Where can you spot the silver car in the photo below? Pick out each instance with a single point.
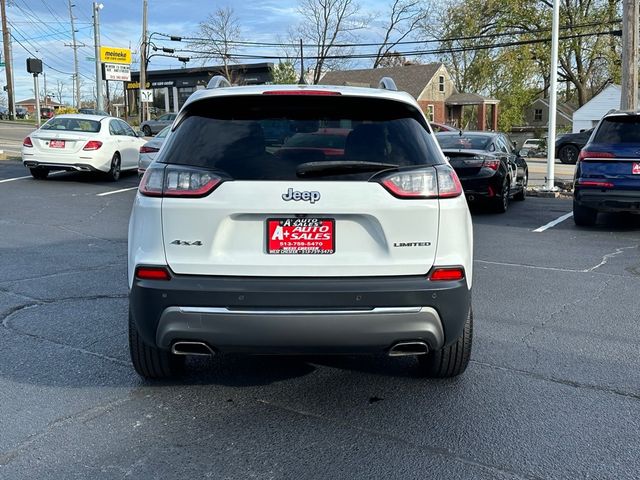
(150, 149)
(151, 127)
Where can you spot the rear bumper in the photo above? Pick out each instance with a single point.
(76, 167)
(484, 187)
(609, 200)
(299, 315)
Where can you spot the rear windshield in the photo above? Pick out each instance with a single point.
(465, 142)
(622, 129)
(72, 124)
(276, 137)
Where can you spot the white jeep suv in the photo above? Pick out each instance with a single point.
(300, 220)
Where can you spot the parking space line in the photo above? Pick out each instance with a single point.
(14, 179)
(104, 194)
(554, 223)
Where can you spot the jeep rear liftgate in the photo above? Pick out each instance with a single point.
(246, 228)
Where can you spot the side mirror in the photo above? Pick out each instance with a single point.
(139, 134)
(515, 145)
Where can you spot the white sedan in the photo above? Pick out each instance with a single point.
(85, 143)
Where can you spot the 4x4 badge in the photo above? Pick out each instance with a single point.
(184, 243)
(296, 196)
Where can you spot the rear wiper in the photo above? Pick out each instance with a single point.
(318, 169)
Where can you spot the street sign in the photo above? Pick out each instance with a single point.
(115, 55)
(117, 72)
(146, 96)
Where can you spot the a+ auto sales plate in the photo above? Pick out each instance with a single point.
(300, 236)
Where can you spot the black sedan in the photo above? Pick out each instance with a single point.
(488, 166)
(568, 146)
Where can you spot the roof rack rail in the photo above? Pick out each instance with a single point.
(218, 82)
(387, 83)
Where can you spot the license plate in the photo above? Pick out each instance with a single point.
(635, 169)
(56, 144)
(299, 236)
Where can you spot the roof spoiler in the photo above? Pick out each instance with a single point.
(387, 83)
(218, 82)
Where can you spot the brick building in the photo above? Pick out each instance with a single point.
(432, 86)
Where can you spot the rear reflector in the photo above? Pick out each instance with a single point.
(145, 149)
(92, 145)
(171, 181)
(27, 142)
(302, 92)
(584, 154)
(447, 274)
(594, 183)
(153, 273)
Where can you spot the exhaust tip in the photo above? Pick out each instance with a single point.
(192, 348)
(403, 349)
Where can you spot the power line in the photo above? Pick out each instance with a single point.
(413, 42)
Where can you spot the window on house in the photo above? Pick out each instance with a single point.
(537, 115)
(441, 83)
(431, 115)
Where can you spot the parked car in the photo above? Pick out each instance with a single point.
(534, 147)
(233, 250)
(607, 176)
(84, 143)
(93, 111)
(151, 127)
(4, 113)
(488, 166)
(149, 150)
(22, 112)
(441, 127)
(568, 146)
(47, 112)
(325, 142)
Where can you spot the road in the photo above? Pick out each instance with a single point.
(552, 391)
(11, 136)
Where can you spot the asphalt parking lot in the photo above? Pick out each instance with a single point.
(552, 391)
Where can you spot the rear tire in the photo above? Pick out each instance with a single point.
(568, 154)
(584, 216)
(39, 173)
(501, 203)
(452, 360)
(151, 362)
(113, 175)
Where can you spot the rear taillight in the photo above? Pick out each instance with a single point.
(92, 145)
(171, 181)
(446, 274)
(145, 149)
(594, 183)
(590, 154)
(153, 273)
(493, 164)
(27, 142)
(440, 181)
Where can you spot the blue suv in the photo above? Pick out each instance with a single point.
(607, 177)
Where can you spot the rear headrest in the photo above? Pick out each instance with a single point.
(366, 143)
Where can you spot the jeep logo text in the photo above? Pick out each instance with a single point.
(312, 197)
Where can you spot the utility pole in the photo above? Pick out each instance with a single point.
(143, 61)
(6, 40)
(630, 12)
(553, 96)
(36, 87)
(75, 47)
(96, 37)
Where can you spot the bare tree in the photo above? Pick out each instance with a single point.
(60, 88)
(405, 17)
(217, 36)
(326, 24)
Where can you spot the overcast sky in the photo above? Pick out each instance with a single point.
(43, 28)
